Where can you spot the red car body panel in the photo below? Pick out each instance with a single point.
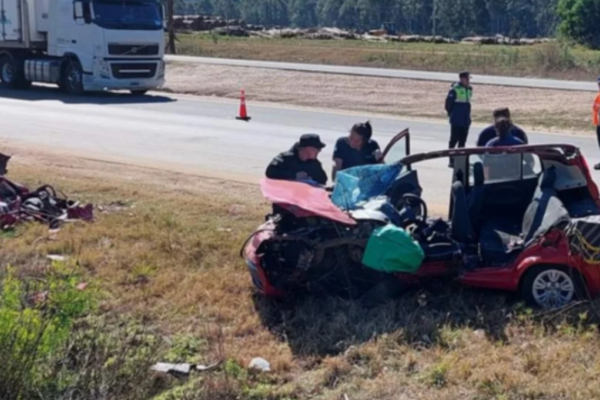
(303, 200)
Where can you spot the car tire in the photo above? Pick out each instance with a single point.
(12, 74)
(72, 78)
(552, 286)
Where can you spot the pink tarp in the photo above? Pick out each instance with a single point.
(303, 200)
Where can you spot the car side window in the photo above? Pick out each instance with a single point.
(532, 166)
(506, 167)
(397, 152)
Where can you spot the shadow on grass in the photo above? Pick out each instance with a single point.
(321, 326)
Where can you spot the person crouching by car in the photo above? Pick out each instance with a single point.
(489, 133)
(356, 149)
(300, 163)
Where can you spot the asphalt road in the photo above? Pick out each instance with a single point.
(396, 73)
(202, 136)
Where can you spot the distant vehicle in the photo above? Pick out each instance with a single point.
(524, 219)
(82, 45)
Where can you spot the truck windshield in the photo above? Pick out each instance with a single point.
(128, 14)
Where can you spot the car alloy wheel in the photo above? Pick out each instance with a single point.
(553, 288)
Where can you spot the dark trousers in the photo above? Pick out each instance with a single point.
(598, 134)
(458, 136)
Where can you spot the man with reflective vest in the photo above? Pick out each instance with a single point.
(596, 118)
(458, 108)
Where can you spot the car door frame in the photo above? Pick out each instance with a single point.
(404, 134)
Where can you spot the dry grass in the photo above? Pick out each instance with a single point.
(166, 252)
(548, 60)
(546, 110)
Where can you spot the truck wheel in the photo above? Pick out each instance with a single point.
(140, 92)
(552, 286)
(12, 74)
(72, 79)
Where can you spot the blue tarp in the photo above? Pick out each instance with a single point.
(358, 184)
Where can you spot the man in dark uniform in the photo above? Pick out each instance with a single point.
(490, 132)
(300, 163)
(458, 108)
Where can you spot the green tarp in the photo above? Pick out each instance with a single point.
(391, 249)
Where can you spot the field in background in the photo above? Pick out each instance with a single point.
(545, 60)
(163, 261)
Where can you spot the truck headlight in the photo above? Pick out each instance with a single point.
(104, 68)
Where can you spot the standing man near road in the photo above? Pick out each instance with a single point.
(596, 118)
(458, 108)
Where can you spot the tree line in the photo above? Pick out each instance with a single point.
(450, 18)
(575, 20)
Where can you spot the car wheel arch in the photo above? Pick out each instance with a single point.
(579, 279)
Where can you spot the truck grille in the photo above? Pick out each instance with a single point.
(115, 49)
(133, 70)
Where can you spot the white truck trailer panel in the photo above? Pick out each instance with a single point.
(10, 20)
(13, 12)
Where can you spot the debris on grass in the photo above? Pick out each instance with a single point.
(260, 364)
(19, 204)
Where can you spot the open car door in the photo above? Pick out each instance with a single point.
(397, 148)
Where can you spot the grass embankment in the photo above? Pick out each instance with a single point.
(165, 283)
(545, 60)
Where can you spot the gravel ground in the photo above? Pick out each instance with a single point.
(538, 109)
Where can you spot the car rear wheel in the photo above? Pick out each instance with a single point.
(552, 287)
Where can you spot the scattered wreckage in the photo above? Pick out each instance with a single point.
(19, 204)
(523, 219)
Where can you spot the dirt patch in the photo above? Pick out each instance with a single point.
(535, 109)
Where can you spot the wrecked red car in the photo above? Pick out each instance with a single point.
(523, 219)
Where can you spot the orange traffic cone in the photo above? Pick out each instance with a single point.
(243, 112)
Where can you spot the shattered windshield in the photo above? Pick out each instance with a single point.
(128, 14)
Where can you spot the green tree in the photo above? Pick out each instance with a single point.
(579, 21)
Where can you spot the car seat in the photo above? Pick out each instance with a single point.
(461, 223)
(545, 209)
(476, 196)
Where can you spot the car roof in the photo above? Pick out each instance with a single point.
(559, 152)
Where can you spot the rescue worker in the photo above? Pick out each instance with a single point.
(356, 149)
(458, 108)
(300, 163)
(489, 133)
(596, 118)
(502, 166)
(504, 136)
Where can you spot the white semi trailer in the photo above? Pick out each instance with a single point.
(82, 45)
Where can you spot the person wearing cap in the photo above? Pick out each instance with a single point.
(490, 133)
(300, 163)
(458, 108)
(596, 118)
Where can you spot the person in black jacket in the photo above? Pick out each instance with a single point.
(300, 163)
(489, 133)
(356, 149)
(458, 108)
